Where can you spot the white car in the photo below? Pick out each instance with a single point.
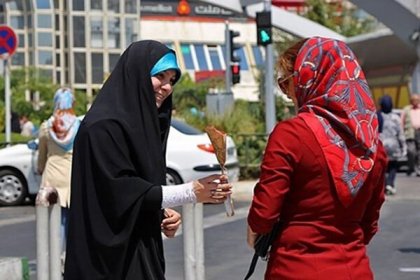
(189, 156)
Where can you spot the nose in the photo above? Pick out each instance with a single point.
(167, 87)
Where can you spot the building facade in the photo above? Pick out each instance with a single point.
(75, 42)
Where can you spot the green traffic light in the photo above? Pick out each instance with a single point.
(265, 37)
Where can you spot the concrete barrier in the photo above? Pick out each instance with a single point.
(14, 268)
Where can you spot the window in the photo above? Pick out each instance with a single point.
(45, 57)
(97, 68)
(186, 54)
(114, 33)
(214, 57)
(130, 7)
(18, 59)
(79, 31)
(96, 5)
(258, 57)
(16, 5)
(17, 22)
(79, 68)
(114, 5)
(21, 40)
(201, 57)
(130, 31)
(96, 32)
(113, 59)
(44, 39)
(43, 4)
(44, 21)
(78, 5)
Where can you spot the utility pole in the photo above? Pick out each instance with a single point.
(227, 56)
(270, 104)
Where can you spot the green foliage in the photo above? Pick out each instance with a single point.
(344, 22)
(30, 81)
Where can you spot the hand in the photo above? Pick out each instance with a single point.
(208, 190)
(251, 237)
(170, 223)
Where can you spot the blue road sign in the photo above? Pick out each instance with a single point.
(8, 41)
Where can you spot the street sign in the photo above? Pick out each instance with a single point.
(8, 42)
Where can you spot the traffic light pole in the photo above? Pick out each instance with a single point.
(227, 56)
(270, 104)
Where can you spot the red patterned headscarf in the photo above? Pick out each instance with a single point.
(335, 102)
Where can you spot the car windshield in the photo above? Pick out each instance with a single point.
(185, 128)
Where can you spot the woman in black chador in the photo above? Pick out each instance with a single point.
(119, 201)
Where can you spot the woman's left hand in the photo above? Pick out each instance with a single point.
(171, 222)
(251, 237)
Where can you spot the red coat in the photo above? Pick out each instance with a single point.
(320, 239)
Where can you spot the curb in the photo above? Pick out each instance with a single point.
(14, 268)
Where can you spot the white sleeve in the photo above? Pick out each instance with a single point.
(177, 195)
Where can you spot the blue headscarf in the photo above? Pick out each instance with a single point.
(63, 99)
(386, 104)
(63, 126)
(167, 62)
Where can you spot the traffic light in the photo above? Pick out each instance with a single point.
(264, 34)
(233, 47)
(235, 69)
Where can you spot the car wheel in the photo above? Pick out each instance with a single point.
(172, 178)
(12, 188)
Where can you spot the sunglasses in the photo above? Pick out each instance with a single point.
(281, 81)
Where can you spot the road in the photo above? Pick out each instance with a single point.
(394, 251)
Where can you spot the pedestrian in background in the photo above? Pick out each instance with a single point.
(392, 137)
(322, 174)
(119, 198)
(411, 123)
(55, 152)
(26, 126)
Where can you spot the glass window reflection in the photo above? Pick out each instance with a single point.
(113, 59)
(18, 59)
(214, 57)
(43, 4)
(130, 31)
(114, 5)
(201, 57)
(17, 22)
(79, 68)
(130, 7)
(45, 57)
(79, 31)
(78, 5)
(96, 5)
(97, 68)
(258, 57)
(114, 33)
(96, 32)
(45, 39)
(187, 55)
(44, 21)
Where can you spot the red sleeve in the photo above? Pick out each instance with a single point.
(279, 161)
(370, 218)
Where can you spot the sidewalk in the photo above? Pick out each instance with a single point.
(243, 190)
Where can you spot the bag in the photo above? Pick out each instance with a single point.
(262, 247)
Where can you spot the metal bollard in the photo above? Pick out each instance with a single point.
(193, 233)
(48, 212)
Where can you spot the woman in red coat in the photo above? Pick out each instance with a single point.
(323, 171)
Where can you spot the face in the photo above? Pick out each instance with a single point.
(415, 100)
(163, 85)
(287, 86)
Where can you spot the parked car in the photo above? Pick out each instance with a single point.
(190, 156)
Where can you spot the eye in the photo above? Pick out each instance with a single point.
(172, 81)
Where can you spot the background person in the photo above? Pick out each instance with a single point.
(411, 122)
(119, 173)
(392, 137)
(322, 173)
(26, 126)
(55, 151)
